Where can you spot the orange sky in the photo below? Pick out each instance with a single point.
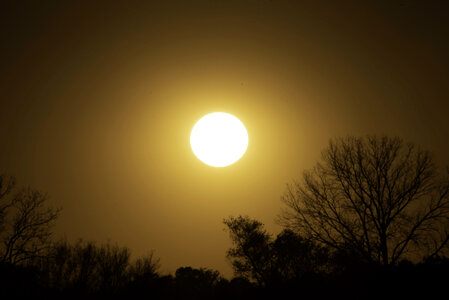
(98, 100)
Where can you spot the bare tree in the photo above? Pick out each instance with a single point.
(86, 267)
(6, 185)
(145, 267)
(113, 262)
(381, 198)
(26, 222)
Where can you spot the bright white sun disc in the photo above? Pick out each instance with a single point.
(219, 139)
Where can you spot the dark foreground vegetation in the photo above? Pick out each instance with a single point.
(84, 270)
(370, 221)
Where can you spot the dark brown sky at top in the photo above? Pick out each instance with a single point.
(98, 100)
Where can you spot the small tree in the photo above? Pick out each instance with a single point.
(26, 223)
(145, 267)
(378, 197)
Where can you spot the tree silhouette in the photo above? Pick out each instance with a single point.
(255, 255)
(74, 267)
(297, 258)
(380, 198)
(85, 268)
(113, 264)
(144, 278)
(25, 222)
(251, 255)
(192, 283)
(6, 186)
(145, 267)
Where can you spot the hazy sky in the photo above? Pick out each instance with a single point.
(98, 100)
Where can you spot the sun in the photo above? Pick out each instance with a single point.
(219, 139)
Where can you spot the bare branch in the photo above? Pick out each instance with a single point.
(380, 196)
(29, 231)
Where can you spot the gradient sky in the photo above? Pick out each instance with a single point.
(98, 100)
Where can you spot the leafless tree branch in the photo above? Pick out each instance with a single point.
(378, 195)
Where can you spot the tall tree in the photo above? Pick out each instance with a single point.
(25, 223)
(379, 197)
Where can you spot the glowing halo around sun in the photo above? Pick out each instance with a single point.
(219, 139)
